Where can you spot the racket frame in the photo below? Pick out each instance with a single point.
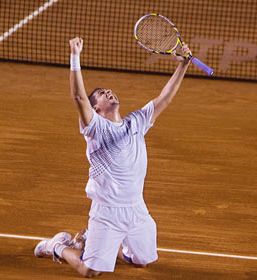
(167, 52)
(180, 42)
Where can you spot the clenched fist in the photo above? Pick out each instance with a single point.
(76, 45)
(182, 54)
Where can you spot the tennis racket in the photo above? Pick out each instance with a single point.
(157, 34)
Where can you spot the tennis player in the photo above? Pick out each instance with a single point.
(119, 224)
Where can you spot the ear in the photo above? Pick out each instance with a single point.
(96, 108)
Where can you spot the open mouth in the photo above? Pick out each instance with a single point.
(112, 97)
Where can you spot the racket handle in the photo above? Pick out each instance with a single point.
(202, 66)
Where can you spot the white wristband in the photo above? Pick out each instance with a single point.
(75, 62)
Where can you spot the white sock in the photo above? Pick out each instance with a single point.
(58, 249)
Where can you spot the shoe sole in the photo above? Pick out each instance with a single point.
(37, 249)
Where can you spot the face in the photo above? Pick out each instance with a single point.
(105, 100)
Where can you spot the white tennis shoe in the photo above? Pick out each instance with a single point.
(45, 248)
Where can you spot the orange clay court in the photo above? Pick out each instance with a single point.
(201, 184)
(200, 187)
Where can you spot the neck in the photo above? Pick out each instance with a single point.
(113, 116)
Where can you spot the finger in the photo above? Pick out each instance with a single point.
(177, 56)
(186, 50)
(184, 47)
(73, 41)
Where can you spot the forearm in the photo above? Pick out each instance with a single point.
(77, 87)
(79, 96)
(172, 86)
(76, 80)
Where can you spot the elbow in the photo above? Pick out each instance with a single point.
(73, 95)
(173, 94)
(76, 96)
(170, 100)
(166, 103)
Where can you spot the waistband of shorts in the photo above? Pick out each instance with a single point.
(115, 205)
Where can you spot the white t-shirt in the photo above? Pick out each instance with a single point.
(118, 158)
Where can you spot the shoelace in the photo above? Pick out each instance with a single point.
(77, 242)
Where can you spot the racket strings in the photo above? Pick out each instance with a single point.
(157, 34)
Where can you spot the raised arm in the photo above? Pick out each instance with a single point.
(77, 89)
(171, 88)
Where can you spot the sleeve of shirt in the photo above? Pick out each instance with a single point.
(143, 117)
(91, 129)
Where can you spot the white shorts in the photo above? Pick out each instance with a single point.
(111, 227)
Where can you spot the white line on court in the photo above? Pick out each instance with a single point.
(21, 236)
(159, 249)
(208, 254)
(27, 19)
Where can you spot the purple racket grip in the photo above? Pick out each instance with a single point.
(202, 66)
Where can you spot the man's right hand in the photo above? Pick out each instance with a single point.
(76, 45)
